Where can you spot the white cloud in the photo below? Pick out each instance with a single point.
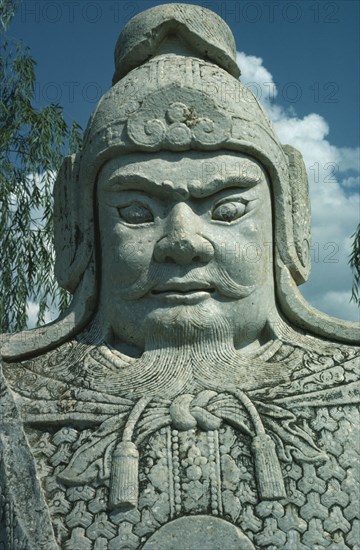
(32, 311)
(333, 301)
(351, 182)
(256, 77)
(350, 158)
(333, 192)
(37, 217)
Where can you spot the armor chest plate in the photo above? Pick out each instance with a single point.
(207, 474)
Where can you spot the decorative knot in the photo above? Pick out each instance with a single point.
(188, 411)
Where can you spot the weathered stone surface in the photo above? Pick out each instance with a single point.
(190, 398)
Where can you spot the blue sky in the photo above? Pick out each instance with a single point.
(300, 57)
(312, 44)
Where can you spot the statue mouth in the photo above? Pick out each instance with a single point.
(183, 292)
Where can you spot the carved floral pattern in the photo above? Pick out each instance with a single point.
(177, 125)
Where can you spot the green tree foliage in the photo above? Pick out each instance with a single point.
(32, 145)
(355, 266)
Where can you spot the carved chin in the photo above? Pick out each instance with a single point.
(182, 325)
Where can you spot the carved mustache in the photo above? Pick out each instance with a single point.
(159, 276)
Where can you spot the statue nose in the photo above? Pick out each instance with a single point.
(182, 245)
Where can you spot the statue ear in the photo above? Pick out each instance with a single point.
(300, 214)
(71, 237)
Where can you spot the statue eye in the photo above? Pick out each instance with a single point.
(136, 214)
(228, 211)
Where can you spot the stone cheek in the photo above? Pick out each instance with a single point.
(195, 472)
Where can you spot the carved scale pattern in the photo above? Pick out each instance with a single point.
(192, 472)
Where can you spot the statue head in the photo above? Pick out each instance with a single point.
(183, 208)
(185, 244)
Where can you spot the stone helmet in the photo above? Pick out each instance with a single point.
(178, 95)
(176, 87)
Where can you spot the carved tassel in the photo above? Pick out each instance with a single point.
(124, 479)
(267, 468)
(269, 477)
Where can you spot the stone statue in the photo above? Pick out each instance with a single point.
(189, 398)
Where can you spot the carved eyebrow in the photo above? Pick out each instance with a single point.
(218, 184)
(138, 182)
(195, 188)
(128, 180)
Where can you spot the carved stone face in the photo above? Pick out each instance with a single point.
(185, 238)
